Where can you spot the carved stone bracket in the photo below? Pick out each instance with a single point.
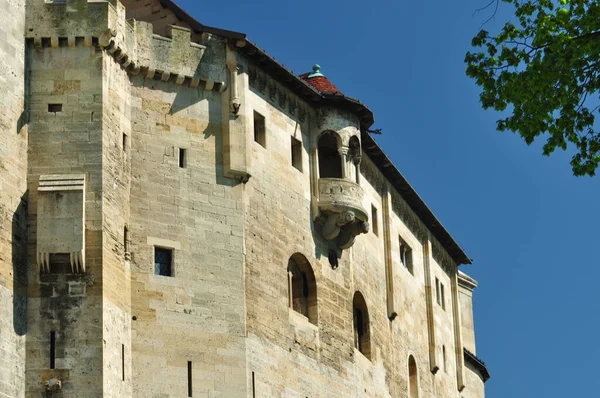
(343, 217)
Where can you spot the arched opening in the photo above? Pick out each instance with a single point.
(330, 160)
(362, 333)
(354, 155)
(302, 287)
(413, 378)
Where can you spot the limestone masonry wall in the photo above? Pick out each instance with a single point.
(238, 239)
(13, 200)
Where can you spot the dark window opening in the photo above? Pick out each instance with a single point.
(125, 142)
(163, 261)
(296, 154)
(260, 135)
(126, 241)
(413, 380)
(444, 358)
(406, 255)
(438, 291)
(182, 158)
(53, 350)
(54, 108)
(60, 263)
(362, 335)
(330, 161)
(253, 386)
(303, 287)
(443, 298)
(123, 362)
(374, 220)
(189, 378)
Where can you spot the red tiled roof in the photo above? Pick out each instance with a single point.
(321, 83)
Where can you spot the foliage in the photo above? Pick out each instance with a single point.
(543, 69)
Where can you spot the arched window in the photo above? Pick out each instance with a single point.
(413, 378)
(302, 287)
(330, 160)
(362, 333)
(354, 154)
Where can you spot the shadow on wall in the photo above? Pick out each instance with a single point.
(185, 97)
(19, 261)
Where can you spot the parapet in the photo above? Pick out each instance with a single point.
(132, 43)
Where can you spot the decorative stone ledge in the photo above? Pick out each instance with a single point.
(337, 195)
(340, 204)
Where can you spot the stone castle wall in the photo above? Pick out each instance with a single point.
(13, 201)
(147, 121)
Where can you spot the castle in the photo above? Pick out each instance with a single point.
(182, 216)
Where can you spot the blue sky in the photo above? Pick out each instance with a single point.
(527, 223)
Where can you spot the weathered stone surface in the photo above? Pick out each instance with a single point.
(157, 118)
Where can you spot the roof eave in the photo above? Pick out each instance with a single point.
(410, 195)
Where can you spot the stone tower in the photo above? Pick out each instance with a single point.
(184, 217)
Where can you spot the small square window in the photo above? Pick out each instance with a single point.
(53, 108)
(182, 158)
(163, 261)
(296, 154)
(406, 255)
(259, 129)
(374, 220)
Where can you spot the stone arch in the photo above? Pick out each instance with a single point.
(330, 159)
(354, 150)
(413, 378)
(302, 286)
(361, 325)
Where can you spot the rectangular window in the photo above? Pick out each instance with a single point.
(253, 386)
(182, 158)
(53, 108)
(437, 291)
(442, 298)
(374, 220)
(296, 154)
(52, 350)
(125, 142)
(60, 263)
(163, 261)
(406, 255)
(260, 135)
(189, 378)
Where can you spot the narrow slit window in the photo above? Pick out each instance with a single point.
(444, 358)
(125, 141)
(52, 350)
(189, 378)
(442, 298)
(260, 135)
(126, 241)
(163, 261)
(54, 108)
(123, 362)
(253, 386)
(297, 154)
(438, 291)
(182, 158)
(374, 220)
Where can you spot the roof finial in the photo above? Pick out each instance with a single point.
(316, 71)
